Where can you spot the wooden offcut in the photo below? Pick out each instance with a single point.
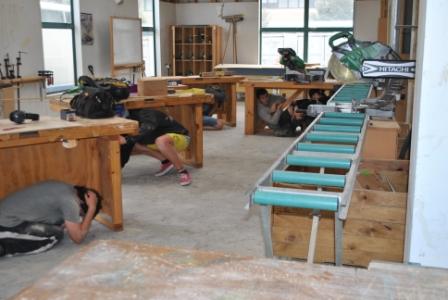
(373, 230)
(152, 86)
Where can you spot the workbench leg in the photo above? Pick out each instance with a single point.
(198, 151)
(232, 112)
(266, 211)
(110, 180)
(338, 240)
(250, 110)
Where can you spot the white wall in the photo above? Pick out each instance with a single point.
(98, 54)
(247, 30)
(367, 13)
(167, 18)
(427, 224)
(20, 29)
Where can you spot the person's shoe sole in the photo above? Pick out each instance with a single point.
(164, 172)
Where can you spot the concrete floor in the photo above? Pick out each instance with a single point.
(207, 215)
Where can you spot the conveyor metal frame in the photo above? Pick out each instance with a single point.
(344, 197)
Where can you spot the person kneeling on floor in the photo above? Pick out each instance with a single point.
(32, 220)
(212, 123)
(160, 137)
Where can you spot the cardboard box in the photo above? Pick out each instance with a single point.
(152, 86)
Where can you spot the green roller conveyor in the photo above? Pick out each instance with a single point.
(344, 115)
(337, 128)
(341, 121)
(351, 92)
(319, 202)
(308, 178)
(329, 148)
(328, 138)
(321, 162)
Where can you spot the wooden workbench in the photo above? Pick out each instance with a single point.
(34, 152)
(251, 103)
(227, 83)
(125, 270)
(185, 108)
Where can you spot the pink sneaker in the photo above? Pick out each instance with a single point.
(164, 169)
(185, 178)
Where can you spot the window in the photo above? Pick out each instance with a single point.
(303, 25)
(58, 42)
(146, 13)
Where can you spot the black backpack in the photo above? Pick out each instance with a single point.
(93, 103)
(119, 89)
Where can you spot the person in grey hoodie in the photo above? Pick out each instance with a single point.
(273, 110)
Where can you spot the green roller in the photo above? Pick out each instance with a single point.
(319, 202)
(332, 114)
(341, 121)
(321, 162)
(329, 148)
(308, 178)
(328, 138)
(337, 128)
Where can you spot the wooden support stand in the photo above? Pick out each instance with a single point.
(375, 226)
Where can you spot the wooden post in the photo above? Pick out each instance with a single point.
(250, 110)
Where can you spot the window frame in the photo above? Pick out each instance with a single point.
(71, 26)
(153, 30)
(305, 29)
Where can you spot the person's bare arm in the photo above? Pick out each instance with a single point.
(78, 231)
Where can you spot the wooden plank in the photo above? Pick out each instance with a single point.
(23, 166)
(280, 84)
(378, 198)
(26, 79)
(356, 251)
(386, 164)
(374, 229)
(82, 128)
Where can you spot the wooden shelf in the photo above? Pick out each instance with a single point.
(181, 46)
